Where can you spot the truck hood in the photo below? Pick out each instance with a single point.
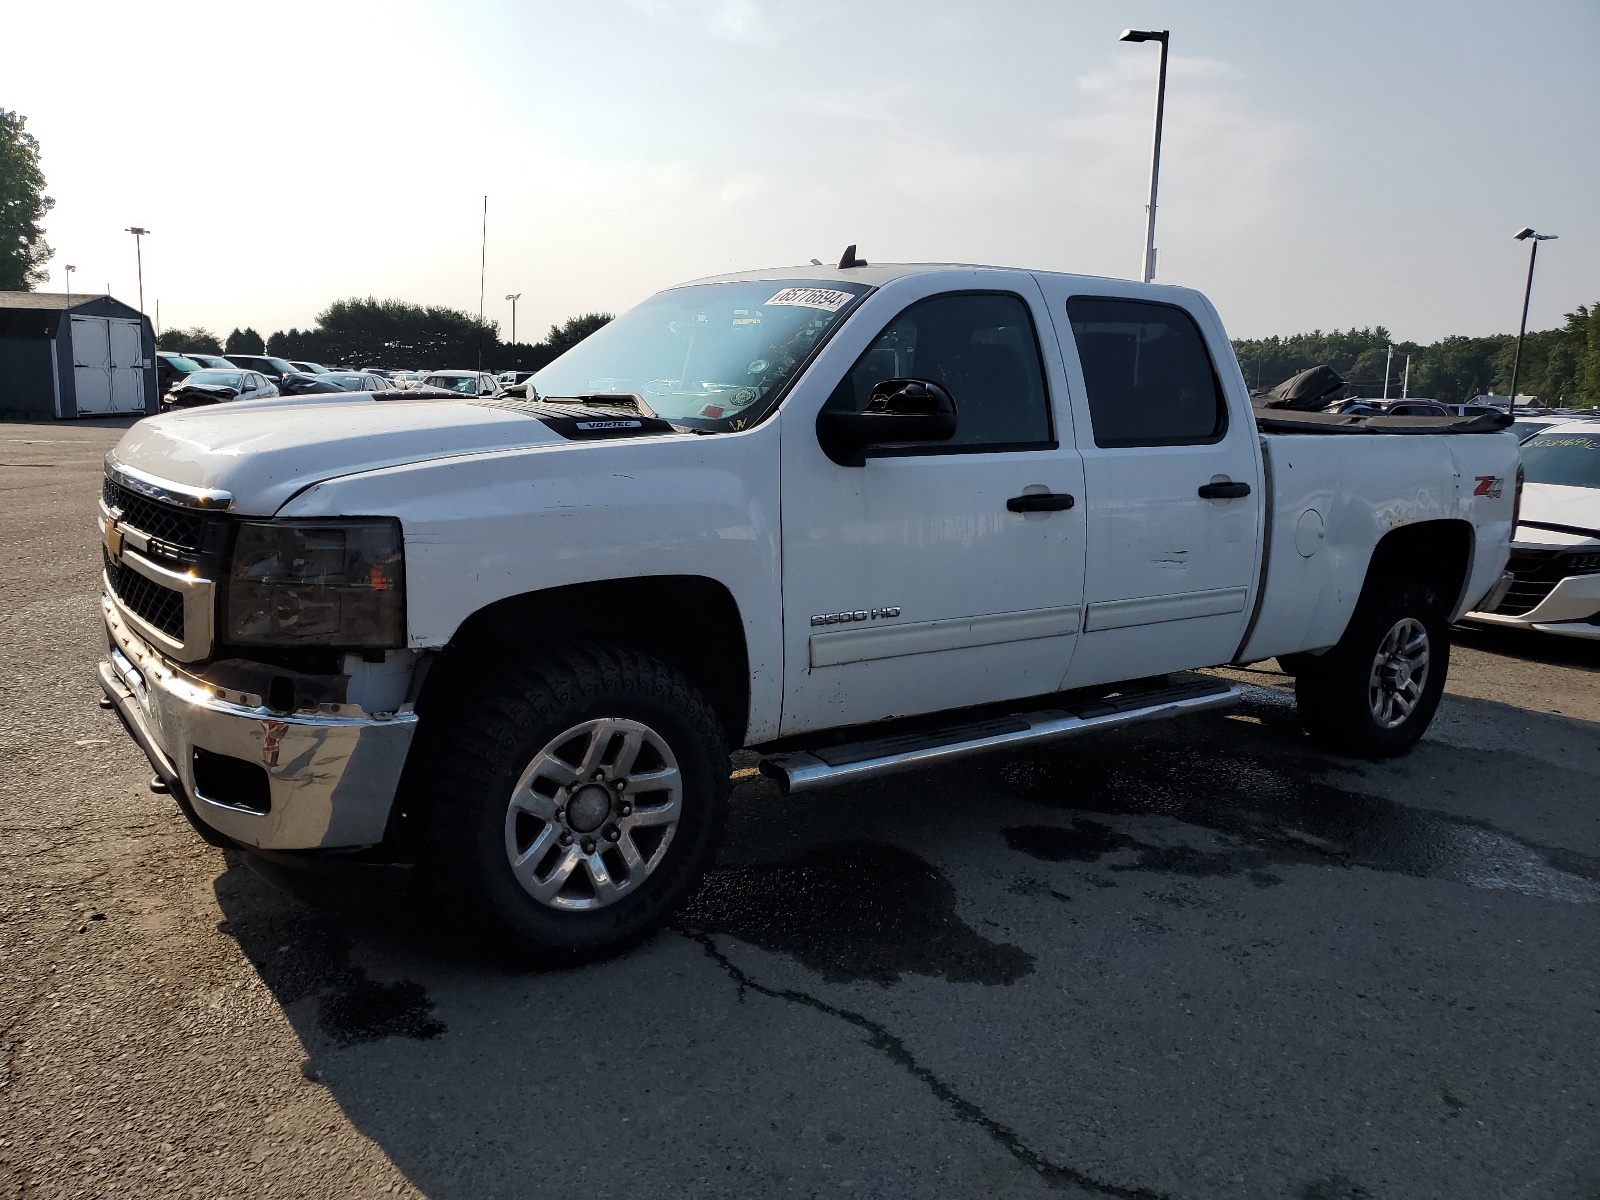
(1575, 509)
(264, 452)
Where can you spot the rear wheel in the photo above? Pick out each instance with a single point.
(574, 799)
(1375, 693)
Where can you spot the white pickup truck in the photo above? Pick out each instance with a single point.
(854, 520)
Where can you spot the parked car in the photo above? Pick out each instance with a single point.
(466, 383)
(1555, 552)
(887, 517)
(301, 384)
(272, 367)
(356, 381)
(171, 367)
(211, 385)
(309, 368)
(512, 378)
(1391, 408)
(1526, 427)
(212, 360)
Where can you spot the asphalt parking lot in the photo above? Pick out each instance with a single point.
(1195, 960)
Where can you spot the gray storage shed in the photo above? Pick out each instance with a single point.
(75, 355)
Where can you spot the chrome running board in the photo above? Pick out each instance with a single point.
(824, 766)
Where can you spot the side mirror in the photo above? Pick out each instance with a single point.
(898, 411)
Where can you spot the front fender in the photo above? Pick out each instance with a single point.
(482, 528)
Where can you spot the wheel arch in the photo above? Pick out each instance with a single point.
(1437, 554)
(691, 622)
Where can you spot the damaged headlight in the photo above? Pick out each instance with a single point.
(317, 583)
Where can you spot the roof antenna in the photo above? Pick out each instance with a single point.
(850, 260)
(816, 262)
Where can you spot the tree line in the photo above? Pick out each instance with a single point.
(1559, 366)
(394, 334)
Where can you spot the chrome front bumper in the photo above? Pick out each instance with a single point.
(332, 773)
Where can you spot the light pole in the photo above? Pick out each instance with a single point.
(70, 270)
(513, 297)
(138, 250)
(1533, 239)
(1148, 269)
(1387, 362)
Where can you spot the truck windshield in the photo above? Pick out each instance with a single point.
(707, 355)
(1572, 459)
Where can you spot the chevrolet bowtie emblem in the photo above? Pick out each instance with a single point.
(113, 539)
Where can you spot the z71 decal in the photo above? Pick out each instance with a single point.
(1490, 486)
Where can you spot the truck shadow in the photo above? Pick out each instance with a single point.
(1579, 653)
(478, 1074)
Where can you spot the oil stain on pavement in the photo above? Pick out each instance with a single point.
(855, 911)
(1276, 811)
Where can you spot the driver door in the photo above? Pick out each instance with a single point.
(911, 585)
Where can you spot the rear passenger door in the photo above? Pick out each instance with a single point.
(1171, 481)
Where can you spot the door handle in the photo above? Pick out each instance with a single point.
(1040, 502)
(1223, 491)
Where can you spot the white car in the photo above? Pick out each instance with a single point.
(1555, 555)
(856, 521)
(217, 386)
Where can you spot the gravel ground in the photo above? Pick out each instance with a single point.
(1197, 959)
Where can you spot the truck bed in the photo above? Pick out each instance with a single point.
(1288, 420)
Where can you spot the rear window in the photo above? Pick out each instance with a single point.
(1571, 459)
(464, 384)
(179, 363)
(1149, 377)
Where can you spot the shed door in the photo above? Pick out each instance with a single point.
(91, 364)
(127, 366)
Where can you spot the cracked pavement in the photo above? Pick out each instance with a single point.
(1198, 959)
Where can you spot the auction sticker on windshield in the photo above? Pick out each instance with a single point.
(827, 299)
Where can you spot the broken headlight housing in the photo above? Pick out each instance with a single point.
(334, 583)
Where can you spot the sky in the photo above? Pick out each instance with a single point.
(1323, 166)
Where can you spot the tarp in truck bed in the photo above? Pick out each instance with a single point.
(1284, 420)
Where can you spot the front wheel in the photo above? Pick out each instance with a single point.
(1375, 693)
(573, 800)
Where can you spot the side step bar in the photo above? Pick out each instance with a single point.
(824, 766)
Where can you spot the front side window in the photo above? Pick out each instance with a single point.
(1569, 459)
(711, 356)
(1149, 377)
(981, 346)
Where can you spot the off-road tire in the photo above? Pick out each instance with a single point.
(473, 746)
(1332, 689)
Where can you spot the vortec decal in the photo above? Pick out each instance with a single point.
(1490, 486)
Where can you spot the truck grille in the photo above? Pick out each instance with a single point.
(165, 522)
(160, 606)
(1536, 573)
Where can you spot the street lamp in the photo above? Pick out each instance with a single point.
(138, 250)
(1533, 239)
(513, 297)
(70, 270)
(1148, 270)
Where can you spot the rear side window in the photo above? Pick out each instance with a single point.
(979, 345)
(1149, 378)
